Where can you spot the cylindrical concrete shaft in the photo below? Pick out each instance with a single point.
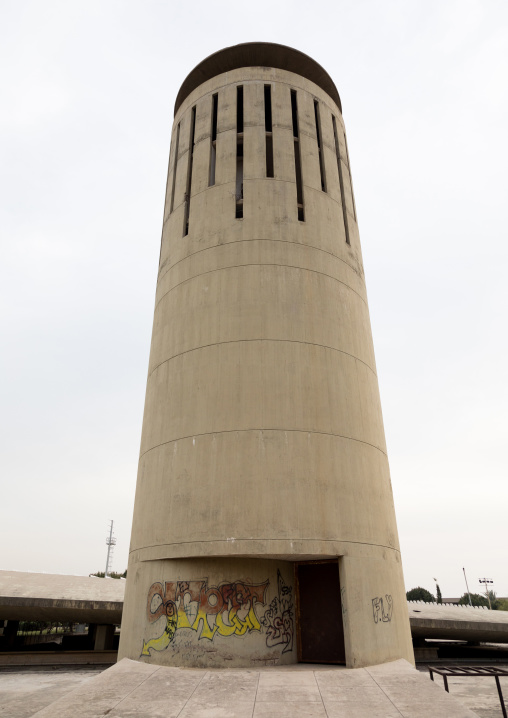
(263, 434)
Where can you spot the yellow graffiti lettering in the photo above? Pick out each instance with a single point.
(223, 629)
(252, 621)
(159, 644)
(206, 632)
(235, 625)
(208, 611)
(183, 619)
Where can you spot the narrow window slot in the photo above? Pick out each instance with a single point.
(350, 178)
(294, 113)
(298, 163)
(269, 155)
(320, 147)
(341, 179)
(175, 161)
(268, 108)
(239, 109)
(268, 131)
(189, 174)
(239, 154)
(213, 141)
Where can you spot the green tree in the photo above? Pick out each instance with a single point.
(113, 574)
(476, 600)
(502, 604)
(494, 601)
(479, 599)
(420, 594)
(438, 594)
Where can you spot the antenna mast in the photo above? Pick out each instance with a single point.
(110, 542)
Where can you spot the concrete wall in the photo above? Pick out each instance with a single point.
(211, 612)
(263, 434)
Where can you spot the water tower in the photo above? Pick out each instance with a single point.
(264, 528)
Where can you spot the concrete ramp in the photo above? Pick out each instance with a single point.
(131, 689)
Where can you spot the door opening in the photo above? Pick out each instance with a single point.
(320, 628)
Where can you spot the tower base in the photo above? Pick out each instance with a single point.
(249, 612)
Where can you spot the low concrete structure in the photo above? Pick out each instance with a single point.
(53, 597)
(133, 689)
(54, 659)
(65, 599)
(462, 623)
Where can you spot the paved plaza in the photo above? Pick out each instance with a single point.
(137, 690)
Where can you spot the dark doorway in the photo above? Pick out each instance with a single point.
(321, 633)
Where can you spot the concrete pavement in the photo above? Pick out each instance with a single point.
(131, 689)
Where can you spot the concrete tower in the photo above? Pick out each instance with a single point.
(264, 528)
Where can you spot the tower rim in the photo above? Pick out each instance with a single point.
(258, 54)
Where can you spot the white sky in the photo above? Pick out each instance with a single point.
(87, 92)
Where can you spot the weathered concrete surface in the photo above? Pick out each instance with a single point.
(464, 623)
(55, 597)
(35, 596)
(132, 689)
(263, 436)
(24, 692)
(478, 694)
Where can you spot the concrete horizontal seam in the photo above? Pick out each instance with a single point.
(262, 239)
(246, 180)
(233, 183)
(469, 622)
(337, 202)
(307, 538)
(213, 186)
(233, 431)
(259, 264)
(239, 341)
(59, 602)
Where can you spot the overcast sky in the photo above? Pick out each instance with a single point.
(87, 91)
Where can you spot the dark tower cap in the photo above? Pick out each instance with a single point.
(258, 54)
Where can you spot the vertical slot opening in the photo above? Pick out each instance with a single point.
(268, 131)
(239, 109)
(189, 174)
(175, 161)
(269, 155)
(268, 108)
(239, 154)
(294, 113)
(213, 141)
(298, 163)
(320, 146)
(341, 179)
(239, 179)
(350, 178)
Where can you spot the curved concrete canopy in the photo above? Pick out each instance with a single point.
(459, 623)
(258, 54)
(53, 597)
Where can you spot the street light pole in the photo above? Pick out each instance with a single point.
(467, 586)
(486, 581)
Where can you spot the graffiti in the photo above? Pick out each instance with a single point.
(378, 609)
(159, 644)
(278, 618)
(226, 610)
